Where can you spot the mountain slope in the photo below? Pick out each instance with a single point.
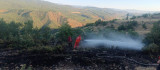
(46, 13)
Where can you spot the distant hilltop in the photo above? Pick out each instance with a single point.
(46, 13)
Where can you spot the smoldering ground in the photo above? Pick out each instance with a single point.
(117, 40)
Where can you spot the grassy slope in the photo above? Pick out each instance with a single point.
(141, 20)
(44, 13)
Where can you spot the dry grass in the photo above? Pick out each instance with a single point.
(74, 23)
(76, 12)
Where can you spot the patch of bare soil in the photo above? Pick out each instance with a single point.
(3, 11)
(74, 23)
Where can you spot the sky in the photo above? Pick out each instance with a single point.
(146, 5)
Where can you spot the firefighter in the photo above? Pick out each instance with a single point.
(78, 39)
(158, 68)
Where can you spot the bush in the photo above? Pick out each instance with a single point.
(64, 32)
(128, 26)
(134, 17)
(145, 15)
(154, 35)
(133, 34)
(113, 21)
(100, 22)
(89, 24)
(144, 26)
(152, 48)
(133, 23)
(16, 35)
(121, 28)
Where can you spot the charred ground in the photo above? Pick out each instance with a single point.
(110, 59)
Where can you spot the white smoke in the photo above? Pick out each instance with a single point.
(115, 40)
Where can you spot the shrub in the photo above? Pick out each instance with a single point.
(145, 15)
(133, 34)
(89, 24)
(100, 22)
(64, 32)
(113, 21)
(122, 27)
(134, 17)
(133, 23)
(152, 48)
(128, 26)
(144, 26)
(154, 35)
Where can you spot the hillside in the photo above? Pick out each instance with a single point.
(148, 20)
(144, 24)
(46, 13)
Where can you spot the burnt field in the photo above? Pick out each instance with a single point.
(81, 59)
(97, 46)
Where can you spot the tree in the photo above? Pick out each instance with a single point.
(133, 17)
(127, 18)
(128, 26)
(133, 23)
(64, 32)
(26, 38)
(14, 28)
(77, 32)
(9, 32)
(144, 26)
(28, 27)
(133, 34)
(145, 15)
(45, 34)
(17, 36)
(3, 29)
(99, 21)
(154, 35)
(113, 21)
(121, 27)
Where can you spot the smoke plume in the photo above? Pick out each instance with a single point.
(114, 40)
